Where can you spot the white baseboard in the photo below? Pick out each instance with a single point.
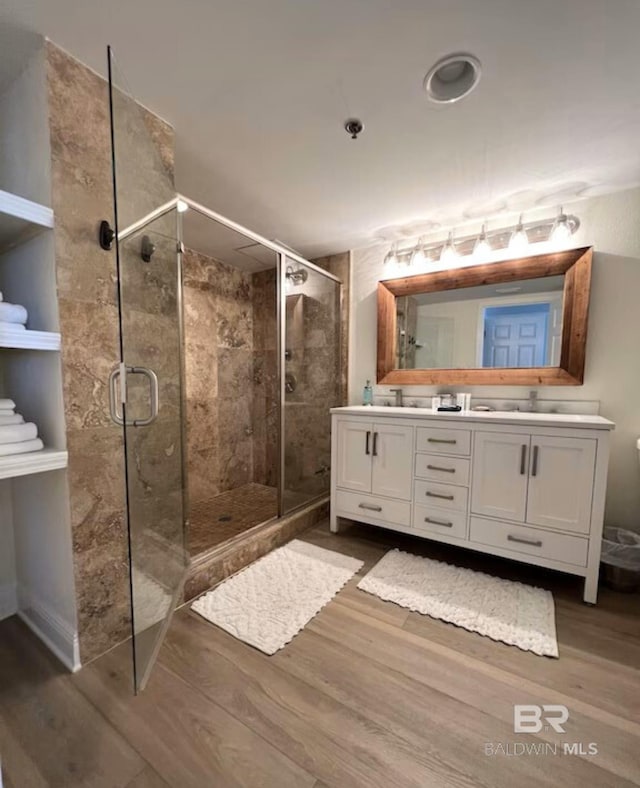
(8, 602)
(56, 634)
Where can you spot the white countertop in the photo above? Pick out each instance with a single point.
(577, 421)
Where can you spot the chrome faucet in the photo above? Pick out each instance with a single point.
(533, 402)
(398, 392)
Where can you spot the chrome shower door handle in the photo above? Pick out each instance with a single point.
(118, 394)
(114, 377)
(154, 400)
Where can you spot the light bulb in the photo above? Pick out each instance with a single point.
(561, 230)
(449, 253)
(391, 257)
(519, 239)
(482, 247)
(418, 256)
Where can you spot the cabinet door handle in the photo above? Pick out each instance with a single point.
(438, 522)
(439, 468)
(441, 440)
(534, 462)
(438, 495)
(370, 506)
(523, 459)
(375, 444)
(520, 540)
(366, 444)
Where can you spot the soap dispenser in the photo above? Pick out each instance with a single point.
(367, 394)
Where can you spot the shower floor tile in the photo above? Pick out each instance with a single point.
(217, 519)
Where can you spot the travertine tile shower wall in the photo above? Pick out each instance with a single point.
(86, 280)
(231, 374)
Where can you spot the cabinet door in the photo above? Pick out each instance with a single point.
(392, 460)
(499, 475)
(355, 439)
(561, 482)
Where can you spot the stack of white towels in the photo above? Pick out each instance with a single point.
(16, 437)
(12, 316)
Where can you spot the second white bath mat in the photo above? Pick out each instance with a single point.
(270, 601)
(514, 613)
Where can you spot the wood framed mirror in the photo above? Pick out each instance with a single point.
(521, 322)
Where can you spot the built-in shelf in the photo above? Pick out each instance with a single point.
(20, 218)
(33, 462)
(29, 340)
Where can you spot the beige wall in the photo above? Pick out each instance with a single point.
(612, 375)
(231, 375)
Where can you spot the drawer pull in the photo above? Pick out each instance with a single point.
(438, 495)
(366, 443)
(439, 468)
(523, 459)
(438, 522)
(441, 440)
(520, 540)
(370, 506)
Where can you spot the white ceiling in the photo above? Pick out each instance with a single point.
(258, 92)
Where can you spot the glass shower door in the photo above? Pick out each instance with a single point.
(311, 384)
(146, 386)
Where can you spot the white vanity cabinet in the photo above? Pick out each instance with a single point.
(524, 486)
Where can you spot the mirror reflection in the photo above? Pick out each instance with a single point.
(505, 325)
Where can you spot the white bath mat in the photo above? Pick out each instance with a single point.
(503, 610)
(270, 601)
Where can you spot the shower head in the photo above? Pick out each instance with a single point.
(298, 277)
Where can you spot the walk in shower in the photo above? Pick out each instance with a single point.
(230, 363)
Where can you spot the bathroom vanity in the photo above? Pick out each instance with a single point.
(526, 486)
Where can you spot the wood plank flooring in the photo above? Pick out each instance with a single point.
(368, 695)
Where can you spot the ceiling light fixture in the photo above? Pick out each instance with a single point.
(482, 247)
(519, 239)
(449, 253)
(452, 78)
(561, 230)
(391, 257)
(182, 206)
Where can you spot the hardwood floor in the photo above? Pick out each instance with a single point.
(369, 694)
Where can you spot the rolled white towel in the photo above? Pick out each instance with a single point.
(21, 448)
(7, 404)
(11, 326)
(10, 418)
(17, 433)
(13, 313)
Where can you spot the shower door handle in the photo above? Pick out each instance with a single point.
(115, 377)
(118, 394)
(154, 402)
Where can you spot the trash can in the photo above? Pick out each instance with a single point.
(621, 559)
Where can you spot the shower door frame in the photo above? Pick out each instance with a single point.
(283, 253)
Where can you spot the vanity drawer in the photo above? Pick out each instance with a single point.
(445, 496)
(532, 541)
(444, 441)
(440, 521)
(356, 506)
(452, 470)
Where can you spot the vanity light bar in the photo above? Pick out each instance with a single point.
(536, 232)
